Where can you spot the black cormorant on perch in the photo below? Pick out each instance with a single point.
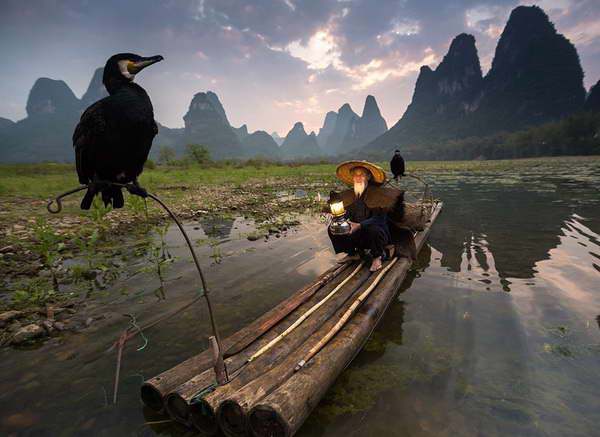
(397, 165)
(114, 136)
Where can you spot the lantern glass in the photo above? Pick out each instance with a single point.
(337, 209)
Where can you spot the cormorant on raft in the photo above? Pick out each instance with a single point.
(397, 165)
(114, 136)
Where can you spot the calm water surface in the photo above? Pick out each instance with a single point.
(496, 331)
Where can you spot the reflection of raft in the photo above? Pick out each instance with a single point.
(325, 325)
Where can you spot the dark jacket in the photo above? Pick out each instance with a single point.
(382, 202)
(385, 207)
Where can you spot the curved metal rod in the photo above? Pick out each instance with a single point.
(426, 190)
(138, 191)
(58, 199)
(195, 258)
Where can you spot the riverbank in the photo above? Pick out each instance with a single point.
(52, 263)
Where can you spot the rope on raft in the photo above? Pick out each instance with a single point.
(126, 335)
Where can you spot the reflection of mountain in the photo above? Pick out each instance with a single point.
(389, 329)
(216, 227)
(519, 226)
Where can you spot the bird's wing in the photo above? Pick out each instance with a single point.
(88, 135)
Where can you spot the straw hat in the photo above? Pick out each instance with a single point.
(344, 171)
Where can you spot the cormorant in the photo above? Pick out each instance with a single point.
(397, 165)
(114, 136)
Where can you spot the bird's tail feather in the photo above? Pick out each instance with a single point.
(87, 200)
(114, 196)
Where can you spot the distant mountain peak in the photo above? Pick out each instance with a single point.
(214, 99)
(298, 127)
(346, 110)
(298, 144)
(96, 89)
(241, 132)
(277, 138)
(50, 96)
(370, 110)
(327, 129)
(535, 77)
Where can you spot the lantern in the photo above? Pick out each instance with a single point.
(339, 224)
(337, 209)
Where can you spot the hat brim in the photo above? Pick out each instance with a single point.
(344, 171)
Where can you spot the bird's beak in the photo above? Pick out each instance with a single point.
(136, 67)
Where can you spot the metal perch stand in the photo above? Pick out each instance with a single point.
(134, 189)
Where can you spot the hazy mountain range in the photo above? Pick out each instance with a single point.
(535, 77)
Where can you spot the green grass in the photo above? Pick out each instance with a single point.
(45, 180)
(40, 181)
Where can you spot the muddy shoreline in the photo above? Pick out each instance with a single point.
(54, 265)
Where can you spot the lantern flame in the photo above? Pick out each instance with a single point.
(337, 209)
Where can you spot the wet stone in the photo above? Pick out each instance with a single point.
(7, 249)
(8, 316)
(14, 326)
(48, 326)
(27, 333)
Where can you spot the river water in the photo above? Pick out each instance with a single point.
(495, 331)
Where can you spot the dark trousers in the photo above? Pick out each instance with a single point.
(371, 237)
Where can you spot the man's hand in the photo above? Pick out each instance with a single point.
(354, 227)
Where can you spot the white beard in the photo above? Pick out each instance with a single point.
(359, 188)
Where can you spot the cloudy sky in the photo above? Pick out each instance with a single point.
(272, 62)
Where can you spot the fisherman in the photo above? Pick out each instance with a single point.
(367, 206)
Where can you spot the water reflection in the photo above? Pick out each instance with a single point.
(217, 227)
(496, 333)
(496, 330)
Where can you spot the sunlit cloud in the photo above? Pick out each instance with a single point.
(400, 28)
(290, 5)
(258, 51)
(200, 54)
(302, 109)
(379, 70)
(551, 6)
(584, 33)
(487, 19)
(320, 52)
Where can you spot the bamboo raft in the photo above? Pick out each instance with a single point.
(282, 364)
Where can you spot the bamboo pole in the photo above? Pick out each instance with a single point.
(155, 389)
(178, 401)
(234, 405)
(259, 372)
(282, 412)
(304, 316)
(340, 324)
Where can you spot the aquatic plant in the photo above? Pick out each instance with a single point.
(160, 257)
(216, 251)
(33, 292)
(98, 214)
(138, 206)
(48, 246)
